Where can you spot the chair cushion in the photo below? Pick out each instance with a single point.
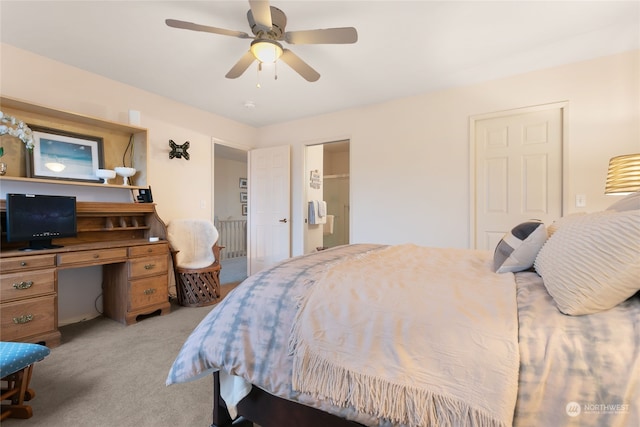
(193, 238)
(15, 356)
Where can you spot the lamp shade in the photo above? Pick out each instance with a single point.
(266, 50)
(624, 174)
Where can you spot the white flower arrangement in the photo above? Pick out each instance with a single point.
(14, 127)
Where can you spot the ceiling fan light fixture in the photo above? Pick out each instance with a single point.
(266, 50)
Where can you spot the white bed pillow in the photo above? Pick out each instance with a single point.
(629, 202)
(553, 227)
(592, 262)
(517, 250)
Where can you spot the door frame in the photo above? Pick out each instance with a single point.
(216, 141)
(563, 106)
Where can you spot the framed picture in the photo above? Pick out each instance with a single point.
(243, 182)
(244, 209)
(64, 155)
(243, 197)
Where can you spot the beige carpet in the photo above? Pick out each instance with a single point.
(111, 375)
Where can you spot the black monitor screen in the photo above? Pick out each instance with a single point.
(40, 218)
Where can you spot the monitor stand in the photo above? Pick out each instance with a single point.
(38, 245)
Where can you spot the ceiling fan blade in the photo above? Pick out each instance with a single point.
(343, 35)
(261, 13)
(241, 66)
(299, 66)
(204, 28)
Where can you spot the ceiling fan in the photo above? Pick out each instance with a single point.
(268, 27)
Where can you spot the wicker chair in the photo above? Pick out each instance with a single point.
(196, 261)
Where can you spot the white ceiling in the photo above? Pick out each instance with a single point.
(404, 48)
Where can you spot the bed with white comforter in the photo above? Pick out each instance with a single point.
(406, 335)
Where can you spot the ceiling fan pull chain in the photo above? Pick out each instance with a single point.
(258, 75)
(275, 70)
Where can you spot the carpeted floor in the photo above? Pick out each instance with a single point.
(233, 270)
(105, 374)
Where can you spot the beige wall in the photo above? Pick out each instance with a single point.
(410, 157)
(180, 188)
(227, 188)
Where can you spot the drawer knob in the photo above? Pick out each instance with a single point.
(96, 256)
(23, 263)
(149, 291)
(149, 266)
(23, 285)
(25, 318)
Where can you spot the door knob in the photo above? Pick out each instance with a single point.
(283, 220)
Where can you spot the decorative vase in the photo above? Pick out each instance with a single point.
(3, 168)
(125, 173)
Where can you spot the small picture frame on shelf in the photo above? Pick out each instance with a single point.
(243, 197)
(243, 182)
(63, 155)
(244, 209)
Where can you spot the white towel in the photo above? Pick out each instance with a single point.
(328, 226)
(322, 208)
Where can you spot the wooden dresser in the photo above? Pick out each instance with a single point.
(136, 271)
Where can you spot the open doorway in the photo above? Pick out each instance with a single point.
(230, 199)
(327, 195)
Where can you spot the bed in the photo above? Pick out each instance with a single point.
(545, 330)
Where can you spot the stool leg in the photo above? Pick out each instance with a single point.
(18, 384)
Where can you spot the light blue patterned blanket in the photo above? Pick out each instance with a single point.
(591, 361)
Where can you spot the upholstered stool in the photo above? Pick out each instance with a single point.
(16, 367)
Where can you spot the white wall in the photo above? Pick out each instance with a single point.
(314, 161)
(410, 157)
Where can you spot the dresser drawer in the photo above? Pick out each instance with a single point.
(97, 257)
(148, 250)
(27, 263)
(150, 266)
(149, 291)
(27, 284)
(30, 317)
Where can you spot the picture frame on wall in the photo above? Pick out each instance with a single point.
(63, 155)
(243, 197)
(244, 209)
(243, 182)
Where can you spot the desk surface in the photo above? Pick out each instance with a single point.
(76, 247)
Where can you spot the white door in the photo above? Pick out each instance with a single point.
(269, 207)
(518, 171)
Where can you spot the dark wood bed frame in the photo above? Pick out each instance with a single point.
(267, 410)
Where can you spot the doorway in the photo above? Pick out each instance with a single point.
(230, 211)
(327, 188)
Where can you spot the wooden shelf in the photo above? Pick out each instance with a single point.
(115, 138)
(65, 182)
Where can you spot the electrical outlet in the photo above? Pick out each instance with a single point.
(581, 200)
(203, 203)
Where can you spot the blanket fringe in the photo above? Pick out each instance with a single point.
(379, 398)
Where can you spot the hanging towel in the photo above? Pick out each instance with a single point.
(328, 226)
(313, 212)
(322, 208)
(321, 217)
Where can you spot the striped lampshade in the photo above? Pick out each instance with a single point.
(624, 174)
